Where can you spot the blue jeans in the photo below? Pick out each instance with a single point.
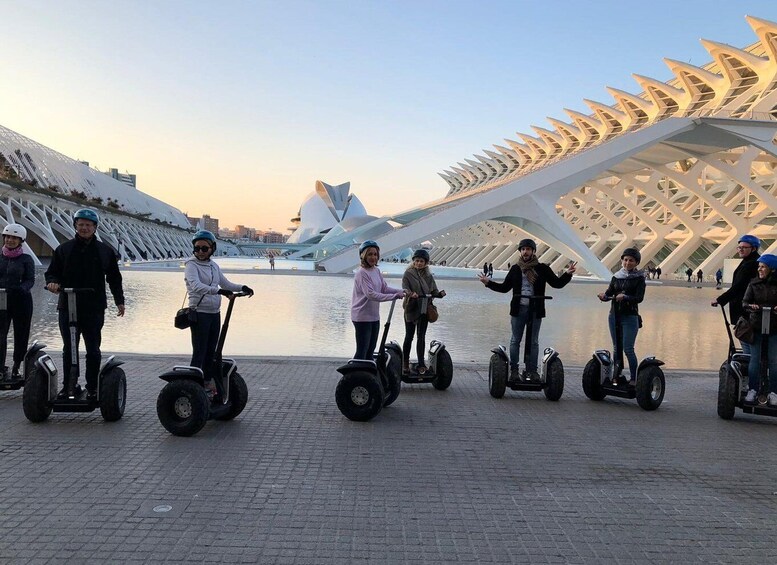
(630, 325)
(745, 346)
(754, 368)
(518, 324)
(366, 339)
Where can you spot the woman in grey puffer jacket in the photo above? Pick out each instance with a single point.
(417, 283)
(205, 284)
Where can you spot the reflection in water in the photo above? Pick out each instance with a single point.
(309, 315)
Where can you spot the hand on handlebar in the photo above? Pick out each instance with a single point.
(53, 287)
(714, 303)
(442, 293)
(225, 292)
(247, 290)
(603, 297)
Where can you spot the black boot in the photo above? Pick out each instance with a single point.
(15, 371)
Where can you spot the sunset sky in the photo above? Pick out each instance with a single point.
(236, 108)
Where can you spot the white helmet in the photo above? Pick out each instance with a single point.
(15, 230)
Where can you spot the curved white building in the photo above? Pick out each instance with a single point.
(323, 209)
(680, 169)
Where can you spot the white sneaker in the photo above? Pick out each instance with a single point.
(772, 399)
(751, 395)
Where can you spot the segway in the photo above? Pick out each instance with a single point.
(33, 355)
(551, 376)
(733, 376)
(439, 369)
(368, 385)
(603, 374)
(40, 396)
(183, 405)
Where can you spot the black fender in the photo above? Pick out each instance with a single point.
(358, 365)
(111, 363)
(34, 348)
(181, 372)
(502, 352)
(394, 346)
(435, 347)
(548, 354)
(649, 362)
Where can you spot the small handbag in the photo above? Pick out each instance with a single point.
(186, 317)
(743, 330)
(431, 313)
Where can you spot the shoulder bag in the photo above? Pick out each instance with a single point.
(743, 330)
(186, 317)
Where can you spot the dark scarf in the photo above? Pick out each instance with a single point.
(529, 268)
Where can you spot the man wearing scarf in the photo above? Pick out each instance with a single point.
(528, 277)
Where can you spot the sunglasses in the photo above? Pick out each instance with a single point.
(743, 247)
(202, 248)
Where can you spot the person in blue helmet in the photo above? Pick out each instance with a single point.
(747, 270)
(85, 262)
(762, 293)
(369, 290)
(206, 284)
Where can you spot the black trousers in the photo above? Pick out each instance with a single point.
(90, 326)
(205, 338)
(419, 329)
(20, 313)
(366, 339)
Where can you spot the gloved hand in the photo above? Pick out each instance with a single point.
(248, 290)
(225, 292)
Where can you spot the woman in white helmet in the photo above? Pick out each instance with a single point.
(17, 275)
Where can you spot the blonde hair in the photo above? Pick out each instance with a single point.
(363, 256)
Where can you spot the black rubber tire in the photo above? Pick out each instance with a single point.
(238, 397)
(359, 396)
(113, 394)
(591, 385)
(194, 407)
(35, 398)
(727, 393)
(393, 376)
(650, 388)
(554, 386)
(444, 371)
(497, 376)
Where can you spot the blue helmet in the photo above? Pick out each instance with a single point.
(86, 214)
(367, 244)
(769, 260)
(751, 240)
(206, 235)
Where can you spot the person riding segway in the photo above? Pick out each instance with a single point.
(602, 375)
(17, 276)
(527, 278)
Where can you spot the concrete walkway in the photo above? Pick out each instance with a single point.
(439, 477)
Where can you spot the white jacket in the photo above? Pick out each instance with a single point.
(203, 280)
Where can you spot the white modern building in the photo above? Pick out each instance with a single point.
(679, 169)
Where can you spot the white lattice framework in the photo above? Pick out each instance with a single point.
(44, 188)
(686, 212)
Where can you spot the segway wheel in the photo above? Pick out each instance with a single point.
(238, 397)
(591, 385)
(113, 394)
(444, 371)
(554, 386)
(35, 398)
(182, 407)
(497, 376)
(727, 393)
(650, 387)
(394, 377)
(359, 396)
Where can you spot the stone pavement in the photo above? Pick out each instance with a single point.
(439, 477)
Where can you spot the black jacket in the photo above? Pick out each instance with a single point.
(746, 271)
(17, 274)
(633, 288)
(513, 282)
(764, 293)
(80, 264)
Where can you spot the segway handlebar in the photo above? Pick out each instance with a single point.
(75, 290)
(535, 297)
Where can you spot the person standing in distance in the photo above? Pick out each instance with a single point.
(17, 275)
(527, 277)
(85, 262)
(369, 290)
(746, 271)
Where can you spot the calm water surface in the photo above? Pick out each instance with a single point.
(309, 315)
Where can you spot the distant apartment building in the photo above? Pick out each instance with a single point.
(127, 178)
(273, 237)
(244, 232)
(210, 224)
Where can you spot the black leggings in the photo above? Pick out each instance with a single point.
(205, 338)
(419, 328)
(20, 312)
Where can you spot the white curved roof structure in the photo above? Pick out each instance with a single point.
(680, 170)
(323, 209)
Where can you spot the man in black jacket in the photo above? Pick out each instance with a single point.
(528, 277)
(747, 270)
(84, 262)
